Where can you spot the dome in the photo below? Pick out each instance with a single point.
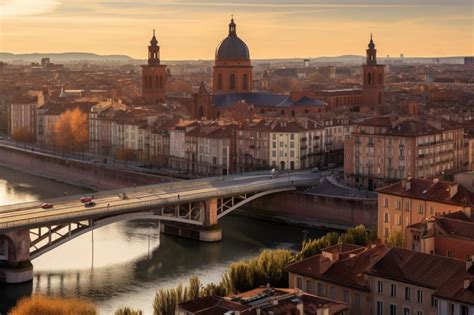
(232, 47)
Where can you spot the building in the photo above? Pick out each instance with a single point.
(232, 68)
(385, 149)
(22, 116)
(450, 235)
(338, 274)
(416, 200)
(381, 280)
(374, 78)
(264, 301)
(154, 75)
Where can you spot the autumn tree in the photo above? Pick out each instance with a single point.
(23, 135)
(39, 304)
(71, 130)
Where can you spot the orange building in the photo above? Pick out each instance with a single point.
(416, 200)
(154, 75)
(232, 69)
(374, 76)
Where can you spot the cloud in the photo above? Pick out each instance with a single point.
(16, 8)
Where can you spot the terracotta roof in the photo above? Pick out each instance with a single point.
(429, 271)
(454, 289)
(347, 271)
(426, 189)
(456, 228)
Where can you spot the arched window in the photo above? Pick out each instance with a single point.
(380, 78)
(161, 81)
(245, 82)
(219, 82)
(232, 82)
(369, 78)
(156, 81)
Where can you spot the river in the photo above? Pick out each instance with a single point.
(124, 264)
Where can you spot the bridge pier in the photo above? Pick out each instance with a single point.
(210, 231)
(15, 264)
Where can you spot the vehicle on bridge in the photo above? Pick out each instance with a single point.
(47, 205)
(89, 204)
(85, 199)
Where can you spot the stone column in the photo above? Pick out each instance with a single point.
(211, 231)
(15, 265)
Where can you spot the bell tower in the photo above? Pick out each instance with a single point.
(374, 78)
(154, 75)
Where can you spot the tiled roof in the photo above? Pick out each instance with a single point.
(456, 228)
(430, 190)
(260, 99)
(429, 271)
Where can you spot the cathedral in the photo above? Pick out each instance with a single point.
(232, 81)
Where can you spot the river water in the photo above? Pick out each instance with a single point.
(124, 264)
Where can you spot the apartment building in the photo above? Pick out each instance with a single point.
(383, 280)
(22, 116)
(253, 140)
(384, 150)
(416, 200)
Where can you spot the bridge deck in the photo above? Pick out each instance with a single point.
(143, 198)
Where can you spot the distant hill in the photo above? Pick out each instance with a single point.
(69, 57)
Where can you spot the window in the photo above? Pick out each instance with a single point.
(320, 289)
(299, 283)
(346, 296)
(393, 290)
(385, 217)
(464, 310)
(420, 209)
(407, 293)
(418, 313)
(310, 286)
(406, 311)
(434, 301)
(219, 81)
(369, 78)
(380, 287)
(332, 294)
(161, 81)
(398, 204)
(232, 81)
(419, 296)
(385, 203)
(393, 309)
(245, 82)
(379, 308)
(356, 301)
(274, 154)
(449, 253)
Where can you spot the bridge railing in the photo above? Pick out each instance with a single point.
(138, 205)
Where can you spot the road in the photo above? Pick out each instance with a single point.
(145, 198)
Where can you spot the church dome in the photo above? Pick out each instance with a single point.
(232, 47)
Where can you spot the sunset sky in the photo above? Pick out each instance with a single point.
(191, 29)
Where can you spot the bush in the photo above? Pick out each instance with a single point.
(128, 311)
(44, 305)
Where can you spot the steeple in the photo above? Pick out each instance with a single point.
(371, 52)
(232, 27)
(153, 51)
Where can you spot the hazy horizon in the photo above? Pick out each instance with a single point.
(273, 29)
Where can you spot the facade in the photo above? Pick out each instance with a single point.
(264, 301)
(232, 69)
(380, 280)
(22, 115)
(154, 75)
(413, 201)
(384, 150)
(450, 235)
(374, 77)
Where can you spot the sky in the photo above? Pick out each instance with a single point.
(192, 29)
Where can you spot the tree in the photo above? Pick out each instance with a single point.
(39, 304)
(71, 130)
(23, 135)
(395, 239)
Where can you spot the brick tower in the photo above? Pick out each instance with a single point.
(232, 68)
(154, 75)
(373, 86)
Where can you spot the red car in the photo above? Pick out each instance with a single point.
(85, 199)
(47, 205)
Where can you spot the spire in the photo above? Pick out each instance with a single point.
(153, 41)
(232, 27)
(371, 43)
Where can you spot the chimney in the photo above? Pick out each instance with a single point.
(407, 185)
(469, 263)
(453, 190)
(258, 311)
(467, 283)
